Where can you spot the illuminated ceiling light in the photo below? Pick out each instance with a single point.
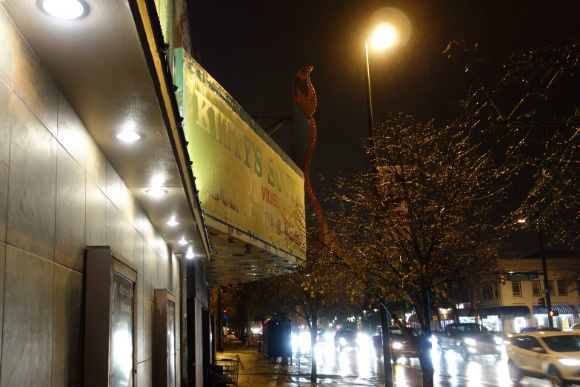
(156, 192)
(172, 222)
(182, 241)
(189, 254)
(521, 221)
(64, 9)
(128, 136)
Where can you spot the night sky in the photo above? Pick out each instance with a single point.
(253, 49)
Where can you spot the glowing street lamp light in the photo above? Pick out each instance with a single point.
(385, 36)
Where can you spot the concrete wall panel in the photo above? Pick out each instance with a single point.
(34, 85)
(28, 320)
(68, 328)
(72, 134)
(149, 259)
(114, 230)
(5, 121)
(70, 212)
(9, 34)
(114, 187)
(96, 167)
(96, 204)
(32, 183)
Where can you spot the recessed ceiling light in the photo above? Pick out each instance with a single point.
(128, 136)
(64, 9)
(182, 242)
(156, 192)
(172, 222)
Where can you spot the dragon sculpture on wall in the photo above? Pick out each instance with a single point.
(304, 95)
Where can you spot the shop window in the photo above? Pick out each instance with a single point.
(536, 288)
(516, 288)
(562, 288)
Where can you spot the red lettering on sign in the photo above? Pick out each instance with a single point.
(269, 197)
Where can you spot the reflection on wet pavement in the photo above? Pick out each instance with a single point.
(361, 367)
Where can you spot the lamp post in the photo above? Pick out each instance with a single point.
(385, 36)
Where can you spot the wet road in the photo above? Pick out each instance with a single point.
(361, 367)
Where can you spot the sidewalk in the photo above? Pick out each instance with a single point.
(257, 371)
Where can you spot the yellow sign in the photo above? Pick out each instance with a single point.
(242, 178)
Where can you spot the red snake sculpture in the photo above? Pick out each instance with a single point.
(304, 95)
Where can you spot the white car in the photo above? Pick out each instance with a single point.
(552, 355)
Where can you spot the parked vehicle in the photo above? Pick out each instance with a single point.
(401, 346)
(470, 339)
(551, 355)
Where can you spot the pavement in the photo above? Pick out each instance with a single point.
(255, 370)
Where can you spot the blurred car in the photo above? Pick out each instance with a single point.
(538, 329)
(470, 339)
(345, 338)
(401, 346)
(551, 355)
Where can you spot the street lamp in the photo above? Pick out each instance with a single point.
(385, 35)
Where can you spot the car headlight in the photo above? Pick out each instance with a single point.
(397, 345)
(342, 341)
(498, 340)
(571, 362)
(362, 338)
(469, 341)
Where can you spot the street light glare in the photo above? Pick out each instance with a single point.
(385, 36)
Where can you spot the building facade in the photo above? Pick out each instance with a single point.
(513, 300)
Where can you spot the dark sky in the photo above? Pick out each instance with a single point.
(253, 48)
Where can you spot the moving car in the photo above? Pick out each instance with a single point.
(345, 338)
(400, 345)
(470, 339)
(553, 355)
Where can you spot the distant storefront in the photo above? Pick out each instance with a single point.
(564, 320)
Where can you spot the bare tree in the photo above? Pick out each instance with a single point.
(528, 107)
(420, 220)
